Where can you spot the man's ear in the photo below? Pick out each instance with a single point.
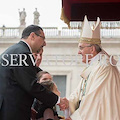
(32, 35)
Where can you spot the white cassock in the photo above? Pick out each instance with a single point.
(99, 92)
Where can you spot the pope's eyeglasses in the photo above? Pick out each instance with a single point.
(81, 48)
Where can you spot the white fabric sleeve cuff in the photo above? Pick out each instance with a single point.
(67, 113)
(58, 100)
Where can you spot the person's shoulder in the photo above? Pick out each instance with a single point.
(22, 47)
(106, 65)
(18, 48)
(104, 61)
(38, 69)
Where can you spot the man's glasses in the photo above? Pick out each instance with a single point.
(40, 36)
(81, 48)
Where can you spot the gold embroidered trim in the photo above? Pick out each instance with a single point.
(90, 40)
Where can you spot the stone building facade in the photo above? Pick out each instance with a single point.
(60, 56)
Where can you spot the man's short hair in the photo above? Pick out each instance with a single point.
(31, 28)
(97, 48)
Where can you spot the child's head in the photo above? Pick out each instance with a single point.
(45, 79)
(50, 85)
(43, 75)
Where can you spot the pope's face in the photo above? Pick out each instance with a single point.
(85, 49)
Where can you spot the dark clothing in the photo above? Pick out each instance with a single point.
(18, 85)
(38, 69)
(40, 108)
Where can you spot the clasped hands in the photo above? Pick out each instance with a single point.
(64, 104)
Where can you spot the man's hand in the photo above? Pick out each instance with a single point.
(64, 104)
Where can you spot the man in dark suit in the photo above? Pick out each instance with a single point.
(18, 84)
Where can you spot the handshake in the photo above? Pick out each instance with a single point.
(64, 106)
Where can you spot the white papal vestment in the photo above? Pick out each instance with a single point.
(99, 92)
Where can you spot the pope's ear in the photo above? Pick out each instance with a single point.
(93, 49)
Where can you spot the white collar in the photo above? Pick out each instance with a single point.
(97, 57)
(27, 45)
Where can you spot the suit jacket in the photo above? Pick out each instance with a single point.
(101, 100)
(18, 84)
